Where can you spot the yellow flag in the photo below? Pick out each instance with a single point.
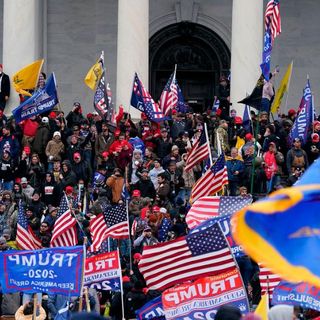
(284, 87)
(263, 307)
(27, 77)
(94, 75)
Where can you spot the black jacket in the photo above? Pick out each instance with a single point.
(5, 86)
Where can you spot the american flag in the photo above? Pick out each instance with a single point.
(142, 100)
(65, 230)
(112, 222)
(198, 153)
(272, 18)
(212, 181)
(206, 208)
(203, 252)
(169, 96)
(268, 280)
(100, 101)
(26, 238)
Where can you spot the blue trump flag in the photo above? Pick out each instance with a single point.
(266, 55)
(41, 101)
(297, 294)
(303, 121)
(181, 106)
(246, 119)
(283, 230)
(54, 271)
(151, 310)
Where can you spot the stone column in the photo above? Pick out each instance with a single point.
(246, 49)
(133, 49)
(22, 38)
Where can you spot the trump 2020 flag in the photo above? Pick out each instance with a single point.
(303, 121)
(196, 301)
(283, 229)
(43, 100)
(51, 270)
(266, 55)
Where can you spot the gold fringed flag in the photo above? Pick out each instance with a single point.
(284, 87)
(94, 74)
(27, 78)
(283, 230)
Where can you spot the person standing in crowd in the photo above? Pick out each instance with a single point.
(4, 88)
(235, 169)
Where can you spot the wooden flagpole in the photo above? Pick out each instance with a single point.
(35, 301)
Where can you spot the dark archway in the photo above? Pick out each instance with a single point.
(201, 56)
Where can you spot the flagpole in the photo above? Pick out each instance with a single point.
(174, 73)
(129, 238)
(83, 272)
(208, 143)
(121, 286)
(288, 87)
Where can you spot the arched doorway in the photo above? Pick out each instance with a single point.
(201, 56)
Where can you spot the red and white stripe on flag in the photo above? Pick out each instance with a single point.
(272, 18)
(268, 280)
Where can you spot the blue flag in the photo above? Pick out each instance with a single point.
(42, 270)
(181, 106)
(142, 100)
(151, 310)
(64, 313)
(216, 105)
(301, 294)
(283, 230)
(266, 55)
(41, 101)
(246, 119)
(303, 121)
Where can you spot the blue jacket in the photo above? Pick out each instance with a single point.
(234, 165)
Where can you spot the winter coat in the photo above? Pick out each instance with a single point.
(83, 171)
(116, 185)
(41, 139)
(234, 165)
(55, 149)
(146, 188)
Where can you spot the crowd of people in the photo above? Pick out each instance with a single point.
(93, 162)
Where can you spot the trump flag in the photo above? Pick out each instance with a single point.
(283, 230)
(202, 298)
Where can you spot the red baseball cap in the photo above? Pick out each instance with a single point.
(248, 136)
(76, 155)
(136, 193)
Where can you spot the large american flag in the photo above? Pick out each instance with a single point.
(272, 18)
(111, 222)
(206, 208)
(212, 181)
(169, 96)
(65, 228)
(26, 238)
(268, 280)
(100, 101)
(198, 153)
(142, 100)
(203, 252)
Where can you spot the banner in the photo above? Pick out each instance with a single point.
(284, 87)
(301, 294)
(151, 310)
(27, 77)
(202, 298)
(53, 271)
(266, 55)
(42, 101)
(103, 272)
(94, 74)
(303, 121)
